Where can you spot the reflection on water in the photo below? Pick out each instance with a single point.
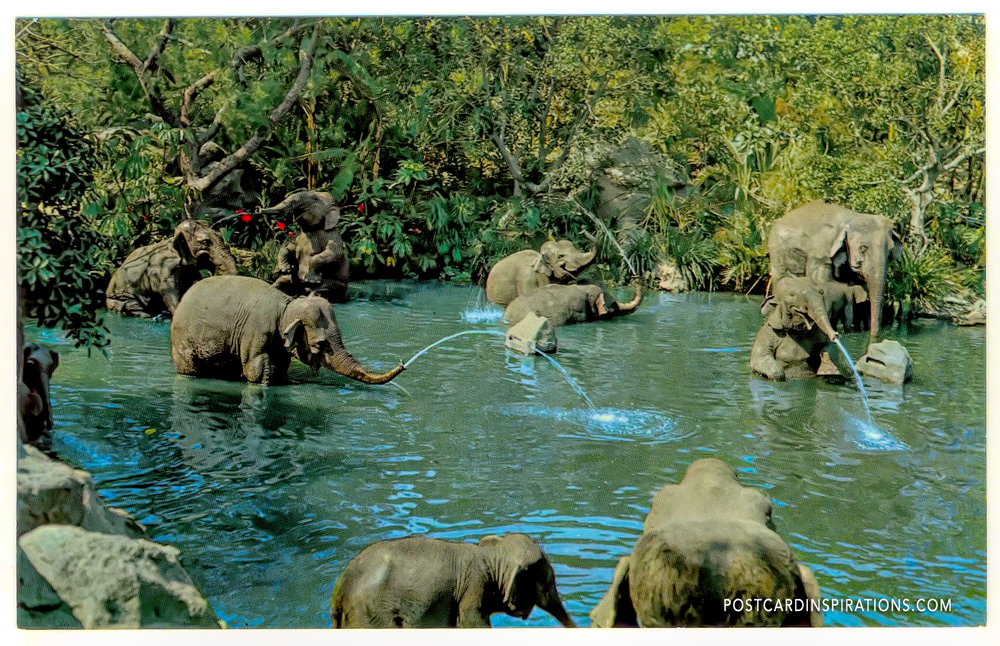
(270, 491)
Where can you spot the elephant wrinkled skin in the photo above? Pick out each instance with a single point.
(826, 242)
(563, 304)
(556, 262)
(155, 277)
(233, 327)
(423, 582)
(314, 262)
(707, 540)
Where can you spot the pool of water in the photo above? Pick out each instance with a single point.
(270, 491)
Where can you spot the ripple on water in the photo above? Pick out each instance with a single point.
(605, 423)
(868, 437)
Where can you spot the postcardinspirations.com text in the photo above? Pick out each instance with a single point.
(838, 605)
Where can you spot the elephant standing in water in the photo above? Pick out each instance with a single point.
(562, 304)
(36, 406)
(314, 261)
(155, 277)
(233, 327)
(422, 582)
(707, 552)
(798, 327)
(556, 262)
(826, 242)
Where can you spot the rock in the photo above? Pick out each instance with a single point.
(105, 581)
(49, 491)
(671, 278)
(532, 333)
(888, 361)
(975, 316)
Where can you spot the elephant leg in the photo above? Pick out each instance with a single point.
(288, 285)
(183, 362)
(615, 608)
(470, 614)
(265, 369)
(330, 255)
(827, 368)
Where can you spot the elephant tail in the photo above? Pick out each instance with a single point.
(343, 363)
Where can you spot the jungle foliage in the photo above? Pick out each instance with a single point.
(453, 141)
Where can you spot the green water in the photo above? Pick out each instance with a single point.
(270, 491)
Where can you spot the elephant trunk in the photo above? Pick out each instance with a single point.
(341, 362)
(553, 605)
(817, 311)
(582, 261)
(875, 279)
(222, 257)
(634, 303)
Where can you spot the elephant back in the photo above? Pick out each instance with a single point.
(510, 277)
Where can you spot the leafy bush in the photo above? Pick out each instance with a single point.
(920, 281)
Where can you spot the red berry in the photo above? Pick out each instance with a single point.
(361, 207)
(245, 217)
(291, 233)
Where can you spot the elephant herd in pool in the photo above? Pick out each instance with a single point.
(706, 539)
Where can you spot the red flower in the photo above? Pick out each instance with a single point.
(414, 230)
(291, 233)
(240, 211)
(281, 226)
(361, 207)
(245, 217)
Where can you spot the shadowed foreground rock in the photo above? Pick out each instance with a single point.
(888, 361)
(531, 333)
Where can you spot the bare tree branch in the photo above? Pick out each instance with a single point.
(191, 92)
(154, 54)
(159, 107)
(937, 53)
(251, 52)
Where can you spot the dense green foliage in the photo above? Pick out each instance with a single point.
(453, 141)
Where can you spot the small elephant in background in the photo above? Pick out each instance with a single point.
(155, 277)
(564, 304)
(314, 261)
(706, 543)
(36, 406)
(798, 326)
(556, 262)
(418, 582)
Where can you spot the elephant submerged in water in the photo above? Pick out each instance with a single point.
(826, 242)
(556, 262)
(237, 327)
(563, 304)
(708, 550)
(799, 324)
(314, 262)
(422, 582)
(155, 277)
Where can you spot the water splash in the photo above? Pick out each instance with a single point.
(448, 338)
(482, 315)
(868, 437)
(572, 382)
(857, 378)
(604, 423)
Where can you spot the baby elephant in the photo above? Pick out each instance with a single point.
(563, 304)
(707, 553)
(418, 582)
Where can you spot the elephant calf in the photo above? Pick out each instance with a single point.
(557, 262)
(563, 304)
(155, 277)
(422, 582)
(237, 327)
(707, 552)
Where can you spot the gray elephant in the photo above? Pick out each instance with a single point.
(155, 277)
(314, 261)
(556, 262)
(36, 406)
(563, 304)
(422, 582)
(233, 327)
(707, 552)
(826, 242)
(798, 326)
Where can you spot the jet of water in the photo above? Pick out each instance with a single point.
(448, 338)
(569, 379)
(857, 378)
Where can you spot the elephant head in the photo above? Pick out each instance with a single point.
(525, 576)
(798, 304)
(865, 244)
(562, 260)
(200, 245)
(706, 541)
(310, 209)
(39, 365)
(603, 304)
(310, 332)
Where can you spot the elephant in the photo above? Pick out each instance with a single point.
(824, 242)
(563, 304)
(156, 276)
(36, 408)
(314, 261)
(708, 550)
(233, 327)
(799, 324)
(418, 582)
(556, 262)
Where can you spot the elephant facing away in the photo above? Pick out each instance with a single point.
(237, 327)
(563, 304)
(556, 262)
(708, 545)
(36, 406)
(419, 582)
(826, 242)
(800, 322)
(314, 262)
(155, 277)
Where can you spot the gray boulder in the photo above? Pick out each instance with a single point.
(71, 577)
(975, 316)
(532, 333)
(888, 361)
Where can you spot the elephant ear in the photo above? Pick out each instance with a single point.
(293, 334)
(541, 266)
(860, 294)
(896, 248)
(615, 607)
(838, 250)
(183, 248)
(332, 217)
(768, 306)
